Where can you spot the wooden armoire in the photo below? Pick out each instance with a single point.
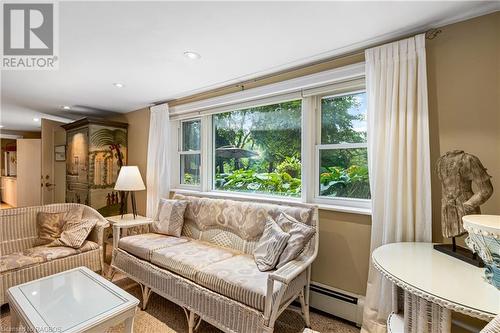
(95, 151)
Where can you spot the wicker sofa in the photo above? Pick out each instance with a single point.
(210, 271)
(21, 261)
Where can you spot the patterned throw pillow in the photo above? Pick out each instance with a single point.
(300, 235)
(270, 246)
(74, 233)
(170, 217)
(50, 225)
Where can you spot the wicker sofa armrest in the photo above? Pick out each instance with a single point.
(97, 234)
(283, 276)
(117, 228)
(286, 274)
(290, 270)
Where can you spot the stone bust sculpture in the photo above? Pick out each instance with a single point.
(457, 171)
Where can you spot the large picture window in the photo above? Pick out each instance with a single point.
(258, 149)
(303, 140)
(190, 154)
(342, 152)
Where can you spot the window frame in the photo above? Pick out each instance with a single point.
(181, 152)
(341, 81)
(322, 199)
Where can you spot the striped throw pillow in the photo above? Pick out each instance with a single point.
(170, 217)
(270, 246)
(75, 233)
(300, 235)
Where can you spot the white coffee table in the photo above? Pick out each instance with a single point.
(77, 300)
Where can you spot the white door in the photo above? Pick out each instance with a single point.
(28, 172)
(53, 164)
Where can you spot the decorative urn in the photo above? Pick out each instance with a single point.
(484, 239)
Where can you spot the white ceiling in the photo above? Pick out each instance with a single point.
(141, 45)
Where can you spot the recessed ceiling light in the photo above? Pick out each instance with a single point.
(36, 119)
(65, 107)
(118, 85)
(192, 55)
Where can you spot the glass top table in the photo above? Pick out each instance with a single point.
(71, 301)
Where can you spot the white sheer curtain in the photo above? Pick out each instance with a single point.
(158, 173)
(399, 161)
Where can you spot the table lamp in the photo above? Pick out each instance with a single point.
(130, 180)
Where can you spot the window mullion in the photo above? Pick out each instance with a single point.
(308, 142)
(174, 154)
(206, 153)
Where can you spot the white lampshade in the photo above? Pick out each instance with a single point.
(129, 179)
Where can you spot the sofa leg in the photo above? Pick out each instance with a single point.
(267, 329)
(146, 292)
(304, 304)
(191, 321)
(111, 274)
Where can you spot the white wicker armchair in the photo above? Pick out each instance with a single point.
(18, 233)
(208, 291)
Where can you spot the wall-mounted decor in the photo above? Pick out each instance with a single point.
(458, 171)
(96, 150)
(60, 153)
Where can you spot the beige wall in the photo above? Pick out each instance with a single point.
(463, 68)
(138, 133)
(344, 245)
(464, 93)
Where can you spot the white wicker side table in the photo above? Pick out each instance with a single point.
(119, 224)
(434, 284)
(74, 301)
(126, 219)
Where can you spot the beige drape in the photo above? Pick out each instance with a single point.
(399, 161)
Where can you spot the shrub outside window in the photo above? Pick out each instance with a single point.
(342, 152)
(258, 149)
(190, 154)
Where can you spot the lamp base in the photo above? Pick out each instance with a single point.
(134, 205)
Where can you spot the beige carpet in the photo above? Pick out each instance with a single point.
(166, 317)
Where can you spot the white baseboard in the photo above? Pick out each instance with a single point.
(337, 302)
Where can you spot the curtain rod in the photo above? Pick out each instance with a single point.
(289, 73)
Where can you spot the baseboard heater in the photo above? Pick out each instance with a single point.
(337, 302)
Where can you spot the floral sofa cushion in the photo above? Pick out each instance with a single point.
(245, 219)
(17, 260)
(143, 245)
(188, 258)
(40, 254)
(239, 278)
